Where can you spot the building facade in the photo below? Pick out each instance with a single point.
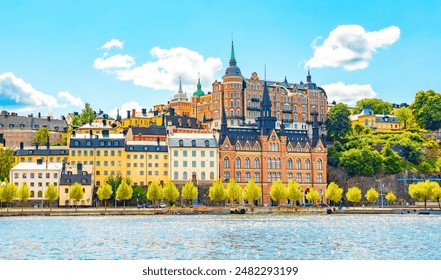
(376, 122)
(70, 176)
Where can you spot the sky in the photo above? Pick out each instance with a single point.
(55, 56)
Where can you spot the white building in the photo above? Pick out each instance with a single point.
(193, 156)
(37, 175)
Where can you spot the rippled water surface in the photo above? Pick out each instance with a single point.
(306, 237)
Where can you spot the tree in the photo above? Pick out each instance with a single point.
(8, 193)
(23, 194)
(278, 191)
(377, 105)
(313, 195)
(421, 191)
(189, 191)
(170, 192)
(252, 192)
(392, 162)
(426, 109)
(234, 191)
(404, 114)
(114, 181)
(217, 191)
(391, 197)
(6, 162)
(41, 137)
(334, 193)
(139, 193)
(76, 193)
(87, 115)
(358, 128)
(354, 195)
(294, 193)
(338, 123)
(372, 196)
(366, 161)
(51, 194)
(436, 193)
(104, 192)
(124, 192)
(154, 192)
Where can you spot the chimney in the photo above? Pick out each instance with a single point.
(48, 145)
(384, 112)
(36, 145)
(73, 133)
(90, 133)
(104, 122)
(133, 113)
(39, 115)
(79, 168)
(144, 111)
(128, 114)
(49, 118)
(155, 113)
(21, 145)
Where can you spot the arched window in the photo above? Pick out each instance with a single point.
(289, 149)
(238, 103)
(238, 176)
(319, 164)
(298, 149)
(308, 178)
(278, 163)
(289, 163)
(231, 103)
(303, 117)
(279, 175)
(226, 162)
(269, 163)
(237, 163)
(247, 147)
(269, 177)
(274, 176)
(237, 146)
(273, 163)
(295, 109)
(289, 176)
(231, 113)
(226, 176)
(247, 163)
(256, 163)
(202, 175)
(184, 175)
(176, 175)
(238, 113)
(256, 177)
(277, 147)
(298, 164)
(211, 175)
(319, 178)
(307, 164)
(247, 176)
(256, 147)
(299, 177)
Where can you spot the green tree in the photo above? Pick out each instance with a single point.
(114, 181)
(334, 193)
(189, 191)
(366, 161)
(41, 137)
(426, 109)
(294, 193)
(392, 162)
(76, 120)
(124, 192)
(87, 114)
(170, 192)
(154, 192)
(8, 193)
(358, 128)
(338, 123)
(436, 193)
(6, 162)
(353, 195)
(217, 191)
(377, 105)
(313, 195)
(404, 114)
(23, 194)
(104, 192)
(51, 194)
(421, 191)
(391, 197)
(252, 192)
(139, 194)
(372, 196)
(234, 191)
(76, 193)
(278, 191)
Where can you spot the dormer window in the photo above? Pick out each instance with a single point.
(181, 143)
(193, 143)
(207, 143)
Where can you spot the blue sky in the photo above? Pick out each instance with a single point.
(57, 55)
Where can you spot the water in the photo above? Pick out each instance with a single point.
(305, 237)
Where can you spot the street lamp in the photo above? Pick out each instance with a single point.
(381, 185)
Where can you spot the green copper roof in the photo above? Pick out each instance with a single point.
(232, 52)
(199, 91)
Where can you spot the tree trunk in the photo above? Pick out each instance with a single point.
(425, 203)
(22, 206)
(124, 205)
(105, 205)
(439, 204)
(50, 205)
(76, 206)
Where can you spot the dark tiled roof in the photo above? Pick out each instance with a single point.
(41, 151)
(96, 142)
(152, 130)
(31, 123)
(69, 179)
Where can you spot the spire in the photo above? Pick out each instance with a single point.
(232, 57)
(315, 128)
(308, 78)
(232, 69)
(223, 119)
(199, 91)
(266, 122)
(180, 86)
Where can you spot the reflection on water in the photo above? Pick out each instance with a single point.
(356, 237)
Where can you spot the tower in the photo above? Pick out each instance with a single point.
(266, 122)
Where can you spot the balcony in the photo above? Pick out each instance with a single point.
(252, 108)
(287, 120)
(208, 120)
(255, 99)
(235, 117)
(287, 111)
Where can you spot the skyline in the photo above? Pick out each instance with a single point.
(56, 57)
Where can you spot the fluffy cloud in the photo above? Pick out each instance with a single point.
(163, 72)
(74, 101)
(114, 43)
(351, 47)
(348, 94)
(115, 61)
(128, 106)
(18, 93)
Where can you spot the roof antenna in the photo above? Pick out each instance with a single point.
(264, 71)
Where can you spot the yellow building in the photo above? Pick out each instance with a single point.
(98, 128)
(376, 122)
(142, 119)
(70, 176)
(51, 154)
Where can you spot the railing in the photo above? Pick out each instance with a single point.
(251, 108)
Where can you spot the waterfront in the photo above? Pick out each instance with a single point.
(275, 236)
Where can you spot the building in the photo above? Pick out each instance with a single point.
(292, 103)
(376, 122)
(50, 154)
(37, 175)
(142, 119)
(71, 175)
(180, 102)
(16, 129)
(193, 157)
(266, 153)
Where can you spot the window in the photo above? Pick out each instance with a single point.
(278, 163)
(319, 164)
(211, 153)
(247, 176)
(226, 162)
(256, 163)
(319, 178)
(184, 163)
(238, 163)
(289, 165)
(181, 143)
(175, 175)
(226, 176)
(268, 162)
(289, 176)
(308, 164)
(175, 153)
(202, 175)
(247, 163)
(193, 163)
(256, 177)
(193, 143)
(238, 103)
(308, 178)
(298, 164)
(184, 175)
(211, 175)
(238, 175)
(184, 153)
(202, 163)
(193, 153)
(299, 177)
(269, 177)
(202, 153)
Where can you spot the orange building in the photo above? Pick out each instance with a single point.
(181, 103)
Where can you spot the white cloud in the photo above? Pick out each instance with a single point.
(115, 61)
(74, 101)
(128, 106)
(163, 72)
(24, 94)
(114, 43)
(348, 94)
(351, 47)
